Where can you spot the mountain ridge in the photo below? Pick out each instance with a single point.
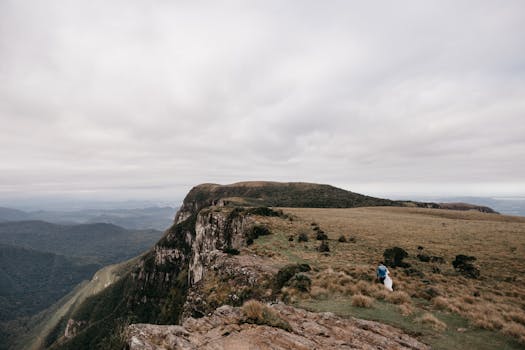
(164, 287)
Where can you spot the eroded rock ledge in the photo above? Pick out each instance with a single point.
(226, 329)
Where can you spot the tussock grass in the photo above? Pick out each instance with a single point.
(515, 330)
(261, 314)
(361, 300)
(398, 297)
(406, 309)
(433, 321)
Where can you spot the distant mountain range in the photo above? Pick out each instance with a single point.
(158, 218)
(95, 243)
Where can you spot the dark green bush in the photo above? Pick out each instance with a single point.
(300, 282)
(423, 257)
(342, 239)
(231, 251)
(255, 232)
(463, 264)
(323, 247)
(287, 272)
(264, 211)
(321, 236)
(303, 237)
(394, 257)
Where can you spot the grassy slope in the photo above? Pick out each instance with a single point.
(43, 323)
(497, 241)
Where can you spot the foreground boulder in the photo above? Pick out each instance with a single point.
(227, 328)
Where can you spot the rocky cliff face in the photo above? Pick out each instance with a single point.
(227, 329)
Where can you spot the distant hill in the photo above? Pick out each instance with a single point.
(97, 243)
(157, 218)
(301, 195)
(277, 194)
(31, 281)
(8, 214)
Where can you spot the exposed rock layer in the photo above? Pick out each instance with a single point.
(226, 329)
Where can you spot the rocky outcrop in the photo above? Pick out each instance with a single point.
(227, 329)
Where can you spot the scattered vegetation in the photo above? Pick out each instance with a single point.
(342, 239)
(258, 313)
(255, 232)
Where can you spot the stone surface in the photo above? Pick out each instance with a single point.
(226, 329)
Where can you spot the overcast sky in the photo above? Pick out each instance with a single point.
(135, 99)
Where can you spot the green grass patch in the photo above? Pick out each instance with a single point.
(470, 338)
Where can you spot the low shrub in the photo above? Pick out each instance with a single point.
(231, 251)
(394, 257)
(423, 257)
(406, 309)
(361, 300)
(323, 247)
(437, 259)
(303, 236)
(300, 282)
(441, 303)
(463, 264)
(264, 211)
(342, 239)
(398, 297)
(321, 236)
(433, 321)
(255, 232)
(258, 313)
(287, 272)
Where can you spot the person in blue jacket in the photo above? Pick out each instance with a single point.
(381, 272)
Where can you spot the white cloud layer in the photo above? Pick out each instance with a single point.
(143, 99)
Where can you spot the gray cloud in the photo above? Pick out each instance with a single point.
(134, 99)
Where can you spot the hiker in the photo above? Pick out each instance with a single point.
(381, 272)
(383, 276)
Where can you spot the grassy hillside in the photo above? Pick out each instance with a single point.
(431, 298)
(98, 243)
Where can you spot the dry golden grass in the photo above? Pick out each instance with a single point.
(398, 297)
(406, 309)
(361, 300)
(259, 313)
(431, 320)
(515, 330)
(496, 301)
